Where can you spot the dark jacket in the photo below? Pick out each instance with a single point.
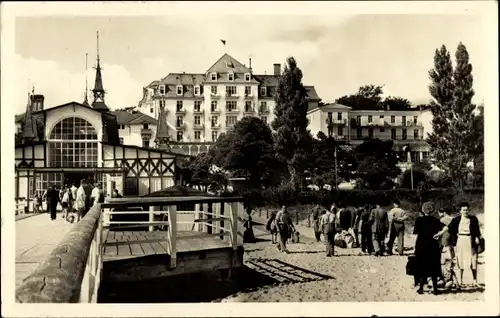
(474, 230)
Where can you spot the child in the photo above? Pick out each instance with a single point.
(450, 279)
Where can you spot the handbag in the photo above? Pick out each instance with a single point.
(480, 246)
(411, 265)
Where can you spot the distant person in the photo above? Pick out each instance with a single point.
(380, 226)
(272, 228)
(66, 202)
(52, 199)
(466, 236)
(115, 194)
(37, 203)
(327, 224)
(74, 188)
(87, 187)
(95, 195)
(316, 216)
(427, 250)
(446, 216)
(397, 228)
(80, 201)
(366, 231)
(285, 228)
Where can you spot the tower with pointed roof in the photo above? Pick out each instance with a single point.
(162, 139)
(98, 90)
(29, 129)
(85, 98)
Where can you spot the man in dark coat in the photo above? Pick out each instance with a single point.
(316, 215)
(366, 230)
(52, 199)
(87, 187)
(380, 227)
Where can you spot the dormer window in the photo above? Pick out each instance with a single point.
(179, 90)
(162, 89)
(263, 91)
(197, 90)
(247, 77)
(230, 77)
(213, 76)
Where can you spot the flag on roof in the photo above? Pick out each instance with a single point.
(223, 42)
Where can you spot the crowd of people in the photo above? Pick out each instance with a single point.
(74, 201)
(443, 241)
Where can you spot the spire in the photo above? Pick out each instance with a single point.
(29, 128)
(162, 139)
(98, 90)
(85, 98)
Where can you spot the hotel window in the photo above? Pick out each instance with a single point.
(393, 119)
(214, 136)
(145, 143)
(197, 135)
(197, 105)
(197, 90)
(358, 120)
(197, 120)
(180, 121)
(230, 77)
(73, 143)
(213, 106)
(213, 76)
(151, 110)
(382, 130)
(340, 131)
(230, 90)
(415, 134)
(247, 77)
(248, 106)
(215, 121)
(415, 120)
(393, 134)
(162, 90)
(179, 105)
(263, 91)
(370, 118)
(263, 106)
(121, 140)
(231, 105)
(370, 132)
(339, 116)
(330, 117)
(145, 126)
(213, 90)
(264, 119)
(381, 116)
(248, 90)
(359, 133)
(179, 90)
(180, 136)
(403, 119)
(404, 134)
(162, 103)
(231, 120)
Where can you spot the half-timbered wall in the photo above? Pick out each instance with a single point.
(26, 159)
(147, 170)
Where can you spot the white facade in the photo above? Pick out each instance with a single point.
(133, 135)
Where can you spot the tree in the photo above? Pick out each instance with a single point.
(419, 172)
(453, 134)
(396, 103)
(368, 97)
(247, 151)
(376, 166)
(478, 148)
(292, 139)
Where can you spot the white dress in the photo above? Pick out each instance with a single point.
(466, 256)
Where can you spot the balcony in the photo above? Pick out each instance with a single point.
(249, 96)
(180, 126)
(146, 132)
(337, 122)
(198, 111)
(215, 111)
(199, 126)
(215, 126)
(249, 111)
(214, 96)
(232, 110)
(412, 123)
(263, 110)
(232, 96)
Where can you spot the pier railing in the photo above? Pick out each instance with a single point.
(72, 272)
(212, 217)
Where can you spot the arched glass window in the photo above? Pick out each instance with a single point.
(73, 143)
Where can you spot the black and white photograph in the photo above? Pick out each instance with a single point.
(343, 154)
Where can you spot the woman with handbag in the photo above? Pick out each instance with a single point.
(466, 236)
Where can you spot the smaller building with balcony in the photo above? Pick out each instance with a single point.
(135, 128)
(330, 118)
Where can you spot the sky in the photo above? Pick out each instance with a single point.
(337, 53)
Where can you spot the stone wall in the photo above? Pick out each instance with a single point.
(59, 277)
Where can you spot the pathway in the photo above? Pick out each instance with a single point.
(36, 237)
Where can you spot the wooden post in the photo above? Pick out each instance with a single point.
(204, 216)
(222, 214)
(234, 225)
(209, 215)
(172, 227)
(196, 226)
(151, 217)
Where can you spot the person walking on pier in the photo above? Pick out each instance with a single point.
(52, 199)
(327, 224)
(380, 226)
(80, 201)
(366, 230)
(397, 230)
